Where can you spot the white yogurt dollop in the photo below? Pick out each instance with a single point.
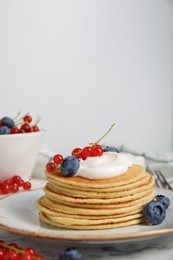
(109, 165)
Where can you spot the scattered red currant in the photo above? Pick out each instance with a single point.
(14, 252)
(13, 185)
(26, 185)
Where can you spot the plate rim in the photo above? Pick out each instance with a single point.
(83, 238)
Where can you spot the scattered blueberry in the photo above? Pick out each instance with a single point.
(110, 149)
(69, 166)
(164, 200)
(70, 254)
(7, 121)
(154, 212)
(4, 130)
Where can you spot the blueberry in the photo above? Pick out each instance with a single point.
(4, 130)
(69, 166)
(70, 254)
(110, 149)
(164, 200)
(154, 212)
(7, 121)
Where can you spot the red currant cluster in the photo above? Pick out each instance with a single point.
(18, 125)
(87, 151)
(13, 184)
(13, 252)
(25, 126)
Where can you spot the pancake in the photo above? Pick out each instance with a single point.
(88, 204)
(56, 188)
(64, 224)
(133, 174)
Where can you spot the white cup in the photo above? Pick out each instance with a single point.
(18, 154)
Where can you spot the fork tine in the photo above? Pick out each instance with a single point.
(163, 179)
(160, 180)
(157, 183)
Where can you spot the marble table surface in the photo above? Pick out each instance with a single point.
(157, 248)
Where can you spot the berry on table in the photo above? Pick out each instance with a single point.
(154, 212)
(70, 254)
(69, 166)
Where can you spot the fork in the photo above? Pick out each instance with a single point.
(160, 180)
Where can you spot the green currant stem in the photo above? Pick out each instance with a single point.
(98, 141)
(37, 120)
(16, 116)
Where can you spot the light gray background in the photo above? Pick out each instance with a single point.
(82, 65)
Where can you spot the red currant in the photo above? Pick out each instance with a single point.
(27, 118)
(5, 189)
(14, 188)
(16, 179)
(97, 150)
(58, 158)
(7, 182)
(26, 256)
(50, 167)
(26, 185)
(10, 255)
(76, 152)
(35, 128)
(14, 130)
(30, 250)
(25, 128)
(2, 251)
(86, 152)
(20, 183)
(38, 256)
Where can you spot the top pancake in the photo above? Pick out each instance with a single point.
(134, 173)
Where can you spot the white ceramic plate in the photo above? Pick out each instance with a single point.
(19, 215)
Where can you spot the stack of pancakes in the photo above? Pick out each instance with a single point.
(87, 204)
